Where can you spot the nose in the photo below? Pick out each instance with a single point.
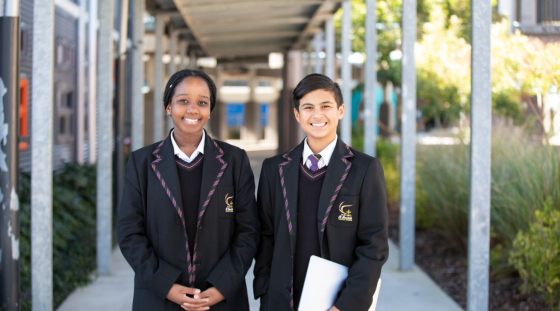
(192, 109)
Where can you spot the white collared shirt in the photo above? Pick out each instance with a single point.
(325, 154)
(182, 155)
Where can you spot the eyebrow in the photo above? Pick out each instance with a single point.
(325, 102)
(188, 95)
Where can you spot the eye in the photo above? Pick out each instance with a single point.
(202, 103)
(307, 108)
(326, 106)
(182, 101)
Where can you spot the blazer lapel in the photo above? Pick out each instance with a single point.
(166, 171)
(337, 171)
(213, 168)
(289, 177)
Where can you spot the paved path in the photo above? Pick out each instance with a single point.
(400, 291)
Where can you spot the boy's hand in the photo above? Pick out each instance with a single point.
(178, 294)
(212, 297)
(334, 309)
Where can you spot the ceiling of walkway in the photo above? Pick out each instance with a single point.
(245, 30)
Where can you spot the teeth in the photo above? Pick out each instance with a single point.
(318, 124)
(191, 120)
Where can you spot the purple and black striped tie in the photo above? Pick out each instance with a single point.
(314, 158)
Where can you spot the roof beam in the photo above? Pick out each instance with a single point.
(244, 5)
(318, 17)
(244, 23)
(250, 36)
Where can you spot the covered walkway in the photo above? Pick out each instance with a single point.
(400, 291)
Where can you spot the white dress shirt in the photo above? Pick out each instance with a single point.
(182, 155)
(325, 154)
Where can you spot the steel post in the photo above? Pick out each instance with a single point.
(158, 77)
(42, 156)
(137, 110)
(408, 137)
(105, 136)
(481, 133)
(329, 48)
(370, 107)
(346, 73)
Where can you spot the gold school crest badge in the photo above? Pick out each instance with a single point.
(229, 203)
(344, 216)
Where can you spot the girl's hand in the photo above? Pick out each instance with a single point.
(211, 295)
(334, 309)
(178, 294)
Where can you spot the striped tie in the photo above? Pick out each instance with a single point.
(314, 158)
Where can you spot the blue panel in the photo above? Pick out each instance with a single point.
(264, 114)
(235, 114)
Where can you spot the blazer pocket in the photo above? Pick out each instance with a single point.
(226, 201)
(345, 211)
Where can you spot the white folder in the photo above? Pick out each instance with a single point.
(323, 281)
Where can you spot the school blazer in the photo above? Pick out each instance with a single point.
(151, 232)
(352, 227)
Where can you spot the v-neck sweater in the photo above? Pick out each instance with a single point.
(190, 181)
(307, 236)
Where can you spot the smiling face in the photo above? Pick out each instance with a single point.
(189, 106)
(318, 115)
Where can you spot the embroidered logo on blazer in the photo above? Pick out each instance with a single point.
(229, 203)
(344, 216)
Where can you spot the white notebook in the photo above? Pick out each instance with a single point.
(323, 281)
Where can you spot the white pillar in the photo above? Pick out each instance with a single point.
(408, 137)
(183, 52)
(370, 103)
(171, 67)
(105, 136)
(481, 133)
(158, 77)
(346, 73)
(138, 76)
(42, 156)
(92, 81)
(80, 107)
(528, 12)
(318, 46)
(329, 48)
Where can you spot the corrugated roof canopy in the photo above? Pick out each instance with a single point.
(242, 29)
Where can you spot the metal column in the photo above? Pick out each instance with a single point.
(171, 67)
(119, 103)
(481, 125)
(9, 155)
(80, 107)
(408, 137)
(105, 136)
(42, 156)
(158, 77)
(318, 47)
(329, 48)
(370, 107)
(346, 73)
(92, 81)
(138, 76)
(252, 124)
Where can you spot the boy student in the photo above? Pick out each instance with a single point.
(324, 199)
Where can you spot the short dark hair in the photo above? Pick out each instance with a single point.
(315, 82)
(179, 76)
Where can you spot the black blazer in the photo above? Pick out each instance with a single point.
(355, 237)
(151, 232)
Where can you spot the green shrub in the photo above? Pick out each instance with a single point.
(74, 231)
(524, 174)
(536, 254)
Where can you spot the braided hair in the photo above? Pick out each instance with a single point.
(179, 76)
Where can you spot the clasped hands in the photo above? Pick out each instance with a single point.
(199, 301)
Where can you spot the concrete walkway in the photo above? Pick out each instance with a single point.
(400, 291)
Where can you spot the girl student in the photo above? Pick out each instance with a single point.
(188, 223)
